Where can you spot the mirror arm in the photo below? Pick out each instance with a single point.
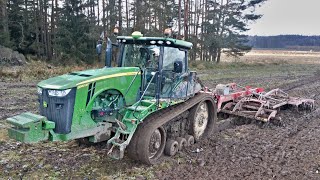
(184, 75)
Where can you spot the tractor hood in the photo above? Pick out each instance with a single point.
(78, 78)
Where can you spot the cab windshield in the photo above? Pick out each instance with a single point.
(140, 55)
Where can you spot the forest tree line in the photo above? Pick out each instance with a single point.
(67, 31)
(285, 42)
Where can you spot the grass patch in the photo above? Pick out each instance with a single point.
(3, 136)
(12, 155)
(204, 65)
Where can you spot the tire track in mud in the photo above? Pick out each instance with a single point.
(248, 151)
(300, 83)
(17, 97)
(271, 153)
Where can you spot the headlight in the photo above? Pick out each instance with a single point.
(39, 90)
(59, 93)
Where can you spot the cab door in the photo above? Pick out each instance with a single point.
(174, 73)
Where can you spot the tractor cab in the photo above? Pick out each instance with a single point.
(163, 63)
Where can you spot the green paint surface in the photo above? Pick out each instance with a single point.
(117, 79)
(74, 79)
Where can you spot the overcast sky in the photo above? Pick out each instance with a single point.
(288, 17)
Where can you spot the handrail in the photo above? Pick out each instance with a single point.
(131, 83)
(144, 92)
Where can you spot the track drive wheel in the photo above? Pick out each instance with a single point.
(171, 148)
(202, 119)
(150, 145)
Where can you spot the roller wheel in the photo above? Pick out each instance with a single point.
(190, 140)
(171, 148)
(202, 119)
(182, 143)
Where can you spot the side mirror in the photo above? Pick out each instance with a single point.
(177, 66)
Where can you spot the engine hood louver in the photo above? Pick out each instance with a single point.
(82, 75)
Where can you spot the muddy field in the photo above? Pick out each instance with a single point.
(249, 151)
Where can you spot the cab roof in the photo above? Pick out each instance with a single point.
(156, 41)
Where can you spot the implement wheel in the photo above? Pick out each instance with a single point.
(202, 119)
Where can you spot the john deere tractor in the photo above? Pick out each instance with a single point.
(148, 105)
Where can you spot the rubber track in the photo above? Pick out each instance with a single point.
(158, 119)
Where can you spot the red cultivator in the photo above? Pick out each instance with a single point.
(255, 103)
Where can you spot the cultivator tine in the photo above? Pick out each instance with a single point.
(304, 104)
(238, 105)
(250, 108)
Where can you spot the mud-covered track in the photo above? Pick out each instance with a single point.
(156, 120)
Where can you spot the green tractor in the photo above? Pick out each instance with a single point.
(150, 104)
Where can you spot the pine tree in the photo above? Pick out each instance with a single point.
(16, 23)
(4, 29)
(55, 29)
(72, 39)
(226, 23)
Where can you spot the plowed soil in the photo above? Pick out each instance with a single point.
(248, 151)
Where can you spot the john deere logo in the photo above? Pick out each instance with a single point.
(45, 104)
